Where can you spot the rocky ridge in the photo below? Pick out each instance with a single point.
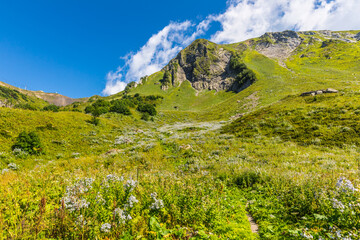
(206, 66)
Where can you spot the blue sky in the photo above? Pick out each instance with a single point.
(69, 46)
(75, 47)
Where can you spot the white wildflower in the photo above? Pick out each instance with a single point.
(130, 185)
(81, 221)
(99, 199)
(158, 203)
(13, 166)
(105, 227)
(131, 201)
(338, 204)
(114, 178)
(5, 170)
(121, 215)
(345, 185)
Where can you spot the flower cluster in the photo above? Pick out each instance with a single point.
(121, 215)
(13, 166)
(131, 201)
(72, 199)
(345, 185)
(338, 204)
(158, 203)
(81, 221)
(105, 227)
(114, 178)
(130, 185)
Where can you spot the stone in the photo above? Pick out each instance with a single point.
(331, 90)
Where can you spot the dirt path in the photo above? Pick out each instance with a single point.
(253, 225)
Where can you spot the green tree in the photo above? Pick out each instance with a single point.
(28, 142)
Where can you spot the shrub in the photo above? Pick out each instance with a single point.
(147, 108)
(26, 106)
(120, 107)
(28, 142)
(145, 116)
(51, 107)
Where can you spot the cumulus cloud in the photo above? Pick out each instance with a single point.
(246, 19)
(243, 19)
(155, 54)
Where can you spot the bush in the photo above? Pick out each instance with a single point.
(29, 143)
(145, 116)
(51, 107)
(147, 108)
(26, 106)
(120, 107)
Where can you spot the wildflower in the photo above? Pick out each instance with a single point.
(130, 185)
(121, 215)
(105, 227)
(158, 203)
(99, 199)
(131, 201)
(114, 178)
(5, 170)
(81, 221)
(13, 166)
(344, 185)
(338, 204)
(306, 234)
(72, 199)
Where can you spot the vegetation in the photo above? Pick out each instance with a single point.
(51, 107)
(196, 170)
(28, 143)
(243, 74)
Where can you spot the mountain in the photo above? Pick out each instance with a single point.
(18, 95)
(221, 80)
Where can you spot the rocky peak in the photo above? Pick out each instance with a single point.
(204, 64)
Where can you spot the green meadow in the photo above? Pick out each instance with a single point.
(198, 166)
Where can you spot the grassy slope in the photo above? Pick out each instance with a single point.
(312, 67)
(264, 163)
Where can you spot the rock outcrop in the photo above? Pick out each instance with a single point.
(278, 45)
(205, 65)
(319, 92)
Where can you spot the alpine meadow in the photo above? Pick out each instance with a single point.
(252, 140)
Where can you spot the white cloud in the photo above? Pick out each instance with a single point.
(154, 55)
(243, 19)
(246, 19)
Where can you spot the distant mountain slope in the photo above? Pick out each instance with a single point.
(52, 98)
(202, 80)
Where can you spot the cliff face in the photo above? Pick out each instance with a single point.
(205, 65)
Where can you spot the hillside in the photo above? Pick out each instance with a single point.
(262, 132)
(52, 98)
(284, 64)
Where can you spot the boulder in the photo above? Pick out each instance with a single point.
(330, 90)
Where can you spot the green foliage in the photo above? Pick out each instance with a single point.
(147, 108)
(243, 73)
(27, 106)
(29, 143)
(51, 107)
(145, 116)
(167, 79)
(12, 94)
(119, 106)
